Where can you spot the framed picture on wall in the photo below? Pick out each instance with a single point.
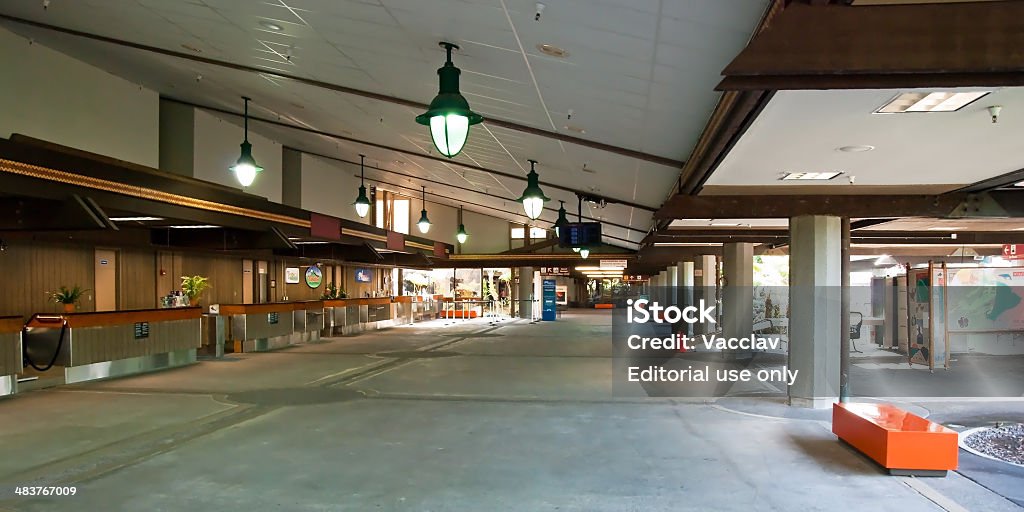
(292, 275)
(314, 276)
(364, 275)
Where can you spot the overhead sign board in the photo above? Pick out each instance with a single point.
(554, 271)
(1013, 251)
(614, 264)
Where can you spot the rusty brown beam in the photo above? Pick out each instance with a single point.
(884, 46)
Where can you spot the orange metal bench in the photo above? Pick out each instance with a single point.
(604, 306)
(903, 443)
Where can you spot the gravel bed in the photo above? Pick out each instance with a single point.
(1005, 443)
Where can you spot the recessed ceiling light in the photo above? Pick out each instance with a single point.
(1019, 184)
(575, 128)
(944, 228)
(196, 226)
(687, 244)
(270, 25)
(311, 242)
(930, 102)
(135, 219)
(855, 149)
(805, 176)
(552, 51)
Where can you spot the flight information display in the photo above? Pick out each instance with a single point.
(580, 234)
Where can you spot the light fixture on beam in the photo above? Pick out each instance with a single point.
(533, 197)
(362, 203)
(562, 219)
(424, 223)
(584, 252)
(245, 168)
(449, 116)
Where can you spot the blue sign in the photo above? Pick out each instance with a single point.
(548, 306)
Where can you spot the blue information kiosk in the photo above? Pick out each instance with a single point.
(548, 306)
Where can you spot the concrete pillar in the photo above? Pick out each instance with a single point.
(738, 292)
(673, 285)
(684, 295)
(525, 292)
(291, 177)
(815, 298)
(177, 138)
(705, 273)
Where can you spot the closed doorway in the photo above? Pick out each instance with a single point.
(105, 286)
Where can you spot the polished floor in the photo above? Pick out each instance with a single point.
(444, 416)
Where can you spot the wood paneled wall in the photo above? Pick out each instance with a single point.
(137, 279)
(28, 271)
(225, 273)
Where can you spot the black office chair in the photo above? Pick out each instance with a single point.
(855, 329)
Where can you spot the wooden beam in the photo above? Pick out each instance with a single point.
(884, 46)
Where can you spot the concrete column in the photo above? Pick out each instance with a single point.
(705, 272)
(738, 293)
(177, 138)
(525, 292)
(815, 298)
(662, 284)
(673, 285)
(684, 295)
(291, 177)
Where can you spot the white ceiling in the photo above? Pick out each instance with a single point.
(640, 74)
(802, 130)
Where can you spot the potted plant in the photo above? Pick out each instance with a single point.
(193, 287)
(333, 292)
(69, 297)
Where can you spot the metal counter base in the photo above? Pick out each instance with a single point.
(266, 344)
(131, 366)
(8, 385)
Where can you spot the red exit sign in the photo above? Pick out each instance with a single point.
(1013, 251)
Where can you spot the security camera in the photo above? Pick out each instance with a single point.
(540, 10)
(46, 4)
(994, 111)
(853, 179)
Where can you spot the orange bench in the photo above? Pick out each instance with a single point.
(458, 314)
(901, 442)
(604, 306)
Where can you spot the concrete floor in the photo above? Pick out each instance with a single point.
(456, 416)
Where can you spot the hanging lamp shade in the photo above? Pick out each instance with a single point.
(562, 219)
(449, 116)
(533, 197)
(362, 202)
(584, 252)
(424, 223)
(461, 234)
(245, 168)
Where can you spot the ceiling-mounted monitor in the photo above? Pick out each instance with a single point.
(580, 234)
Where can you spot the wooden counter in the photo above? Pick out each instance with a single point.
(103, 318)
(10, 348)
(363, 301)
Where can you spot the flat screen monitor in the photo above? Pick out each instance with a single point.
(580, 234)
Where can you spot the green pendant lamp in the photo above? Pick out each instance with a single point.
(449, 116)
(362, 203)
(533, 197)
(245, 168)
(562, 219)
(424, 223)
(461, 234)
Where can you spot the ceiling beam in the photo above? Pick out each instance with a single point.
(639, 155)
(884, 46)
(786, 206)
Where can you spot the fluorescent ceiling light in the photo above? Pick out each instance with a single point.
(944, 228)
(821, 176)
(135, 219)
(312, 242)
(733, 224)
(585, 269)
(1019, 184)
(196, 226)
(930, 102)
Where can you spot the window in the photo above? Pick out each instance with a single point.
(399, 215)
(535, 233)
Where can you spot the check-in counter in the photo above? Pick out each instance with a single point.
(263, 327)
(351, 316)
(10, 354)
(91, 346)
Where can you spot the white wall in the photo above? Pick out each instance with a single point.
(48, 95)
(487, 235)
(330, 187)
(217, 148)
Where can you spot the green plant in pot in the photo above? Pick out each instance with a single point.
(69, 297)
(193, 287)
(333, 292)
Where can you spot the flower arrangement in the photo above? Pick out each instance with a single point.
(331, 291)
(69, 297)
(193, 287)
